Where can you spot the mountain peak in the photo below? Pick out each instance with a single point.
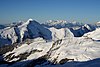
(30, 20)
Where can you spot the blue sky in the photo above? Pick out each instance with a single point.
(87, 11)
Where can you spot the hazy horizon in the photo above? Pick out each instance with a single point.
(85, 11)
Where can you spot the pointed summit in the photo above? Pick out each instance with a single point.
(30, 20)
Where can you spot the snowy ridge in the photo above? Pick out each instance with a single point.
(94, 35)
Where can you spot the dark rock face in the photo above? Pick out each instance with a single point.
(7, 48)
(37, 30)
(65, 60)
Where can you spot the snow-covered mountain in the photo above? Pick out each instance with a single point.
(29, 29)
(61, 24)
(60, 33)
(78, 29)
(34, 45)
(69, 52)
(33, 29)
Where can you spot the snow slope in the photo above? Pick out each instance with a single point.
(79, 49)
